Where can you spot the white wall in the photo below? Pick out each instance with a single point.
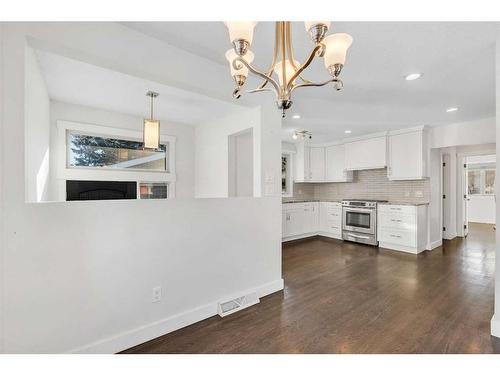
(481, 209)
(37, 128)
(241, 164)
(184, 150)
(465, 133)
(211, 155)
(77, 276)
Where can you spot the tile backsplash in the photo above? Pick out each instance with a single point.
(369, 184)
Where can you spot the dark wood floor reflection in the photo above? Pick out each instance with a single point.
(346, 298)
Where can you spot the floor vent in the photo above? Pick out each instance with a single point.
(237, 304)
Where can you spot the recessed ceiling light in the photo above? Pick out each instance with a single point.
(347, 131)
(413, 76)
(296, 117)
(452, 109)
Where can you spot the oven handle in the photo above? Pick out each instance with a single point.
(358, 236)
(351, 209)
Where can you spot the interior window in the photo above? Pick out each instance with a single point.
(90, 151)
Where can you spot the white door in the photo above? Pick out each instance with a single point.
(317, 163)
(465, 189)
(446, 197)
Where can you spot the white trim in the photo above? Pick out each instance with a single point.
(367, 136)
(414, 129)
(433, 245)
(495, 327)
(161, 327)
(406, 249)
(366, 168)
(450, 236)
(63, 172)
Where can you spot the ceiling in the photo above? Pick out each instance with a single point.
(89, 85)
(456, 59)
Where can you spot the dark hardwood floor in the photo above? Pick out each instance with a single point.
(342, 297)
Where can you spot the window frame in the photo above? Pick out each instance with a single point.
(66, 172)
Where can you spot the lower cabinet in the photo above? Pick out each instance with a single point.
(330, 219)
(402, 227)
(307, 219)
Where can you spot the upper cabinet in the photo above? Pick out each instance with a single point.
(321, 164)
(335, 166)
(367, 153)
(403, 152)
(407, 156)
(317, 163)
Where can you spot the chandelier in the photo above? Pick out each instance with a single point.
(332, 48)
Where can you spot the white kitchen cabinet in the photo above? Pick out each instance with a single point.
(402, 227)
(302, 172)
(300, 220)
(317, 163)
(407, 155)
(369, 153)
(335, 167)
(308, 219)
(311, 217)
(330, 219)
(321, 164)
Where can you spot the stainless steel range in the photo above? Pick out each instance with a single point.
(359, 220)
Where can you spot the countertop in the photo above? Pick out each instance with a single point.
(396, 203)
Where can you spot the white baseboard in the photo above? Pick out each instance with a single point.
(433, 245)
(150, 331)
(450, 236)
(495, 327)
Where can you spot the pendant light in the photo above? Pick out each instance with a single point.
(151, 127)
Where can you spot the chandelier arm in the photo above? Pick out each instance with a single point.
(275, 53)
(257, 72)
(303, 66)
(261, 90)
(313, 84)
(289, 47)
(283, 57)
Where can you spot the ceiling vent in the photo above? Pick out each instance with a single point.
(228, 307)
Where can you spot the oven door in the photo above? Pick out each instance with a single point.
(359, 220)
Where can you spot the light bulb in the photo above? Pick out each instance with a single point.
(295, 136)
(336, 46)
(289, 70)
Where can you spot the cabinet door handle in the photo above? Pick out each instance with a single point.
(396, 208)
(395, 236)
(396, 221)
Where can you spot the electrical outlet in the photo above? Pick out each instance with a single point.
(156, 294)
(419, 194)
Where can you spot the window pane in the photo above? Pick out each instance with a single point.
(153, 190)
(284, 167)
(100, 152)
(474, 181)
(489, 187)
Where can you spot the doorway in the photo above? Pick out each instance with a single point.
(480, 200)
